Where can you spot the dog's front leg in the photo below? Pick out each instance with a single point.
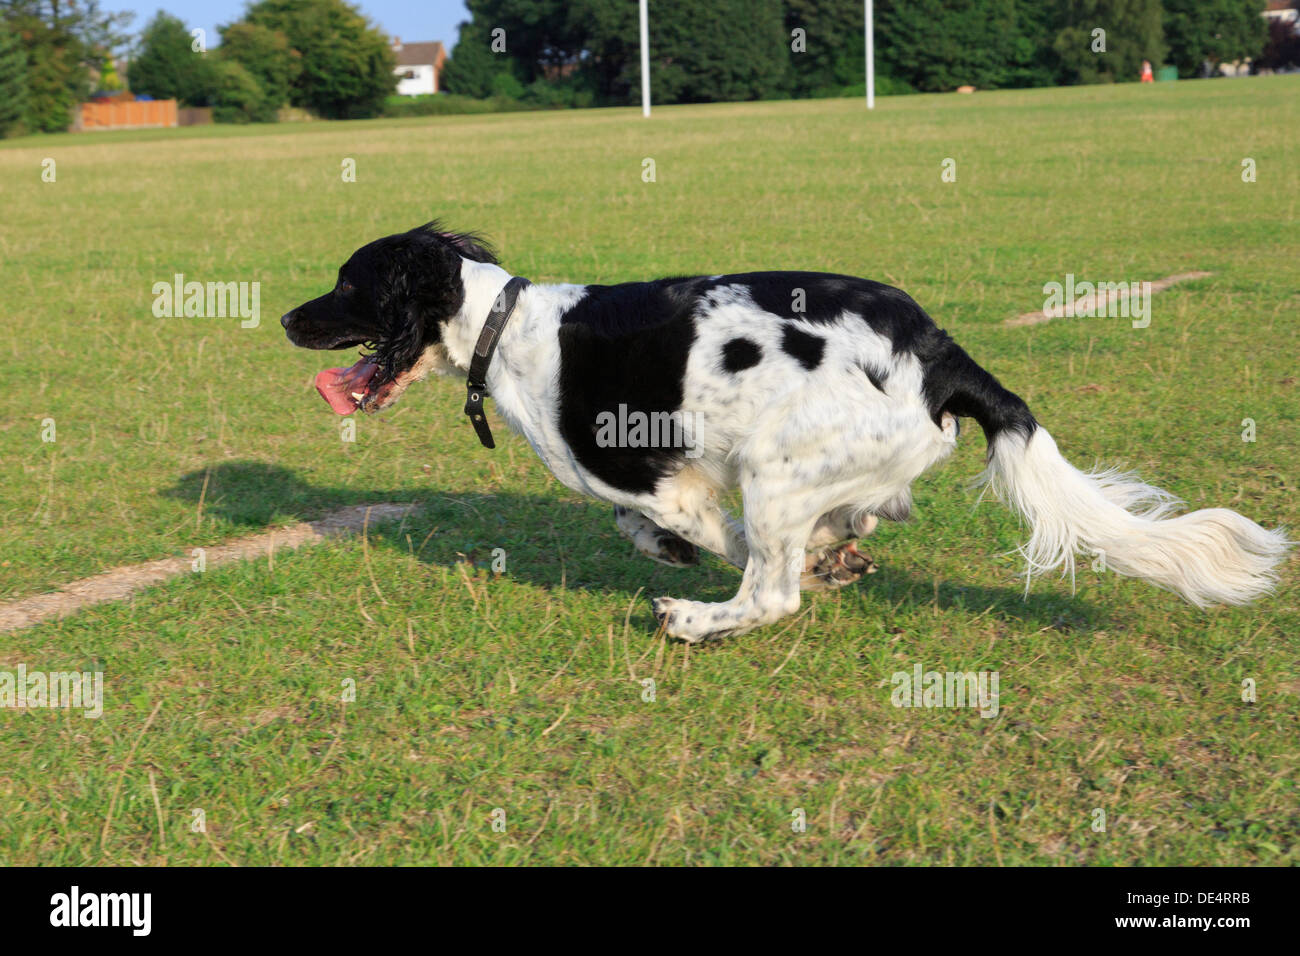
(768, 592)
(688, 507)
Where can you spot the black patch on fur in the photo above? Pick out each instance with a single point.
(952, 382)
(877, 377)
(806, 349)
(740, 354)
(887, 311)
(626, 344)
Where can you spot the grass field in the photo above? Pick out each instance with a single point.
(525, 692)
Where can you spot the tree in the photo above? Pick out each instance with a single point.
(346, 63)
(1220, 30)
(108, 76)
(582, 51)
(473, 69)
(540, 37)
(56, 81)
(606, 47)
(518, 48)
(64, 44)
(1033, 61)
(238, 97)
(168, 66)
(727, 49)
(940, 45)
(266, 56)
(13, 80)
(827, 55)
(1133, 33)
(101, 35)
(720, 50)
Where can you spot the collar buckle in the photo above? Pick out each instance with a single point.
(478, 415)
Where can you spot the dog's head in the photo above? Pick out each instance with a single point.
(392, 297)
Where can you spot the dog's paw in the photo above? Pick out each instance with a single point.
(673, 550)
(690, 621)
(835, 567)
(655, 542)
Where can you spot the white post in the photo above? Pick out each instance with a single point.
(645, 59)
(871, 59)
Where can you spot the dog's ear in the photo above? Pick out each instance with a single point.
(468, 244)
(420, 287)
(472, 247)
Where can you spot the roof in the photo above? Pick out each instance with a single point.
(419, 54)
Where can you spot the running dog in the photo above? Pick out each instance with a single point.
(823, 397)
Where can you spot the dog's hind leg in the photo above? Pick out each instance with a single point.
(655, 542)
(833, 558)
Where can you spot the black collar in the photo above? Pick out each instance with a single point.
(482, 357)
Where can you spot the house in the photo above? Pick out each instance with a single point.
(418, 66)
(1283, 11)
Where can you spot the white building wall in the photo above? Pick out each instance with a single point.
(421, 83)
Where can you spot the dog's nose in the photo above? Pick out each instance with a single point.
(286, 318)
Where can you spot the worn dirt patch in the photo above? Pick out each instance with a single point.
(1099, 304)
(120, 583)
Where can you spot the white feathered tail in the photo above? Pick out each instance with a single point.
(1214, 556)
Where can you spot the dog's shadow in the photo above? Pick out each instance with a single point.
(543, 541)
(553, 543)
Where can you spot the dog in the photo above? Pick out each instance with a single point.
(822, 397)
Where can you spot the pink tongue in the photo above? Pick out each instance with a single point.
(336, 385)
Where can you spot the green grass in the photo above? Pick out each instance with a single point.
(524, 691)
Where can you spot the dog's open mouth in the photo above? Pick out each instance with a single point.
(365, 386)
(348, 389)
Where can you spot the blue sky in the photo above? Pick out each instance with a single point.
(412, 20)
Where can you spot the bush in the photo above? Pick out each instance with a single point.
(450, 104)
(238, 97)
(266, 55)
(571, 91)
(506, 86)
(885, 86)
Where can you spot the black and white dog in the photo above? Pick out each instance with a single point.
(823, 397)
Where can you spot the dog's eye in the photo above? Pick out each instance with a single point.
(345, 285)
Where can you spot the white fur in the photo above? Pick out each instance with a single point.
(1213, 556)
(818, 453)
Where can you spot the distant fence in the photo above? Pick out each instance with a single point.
(194, 115)
(139, 114)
